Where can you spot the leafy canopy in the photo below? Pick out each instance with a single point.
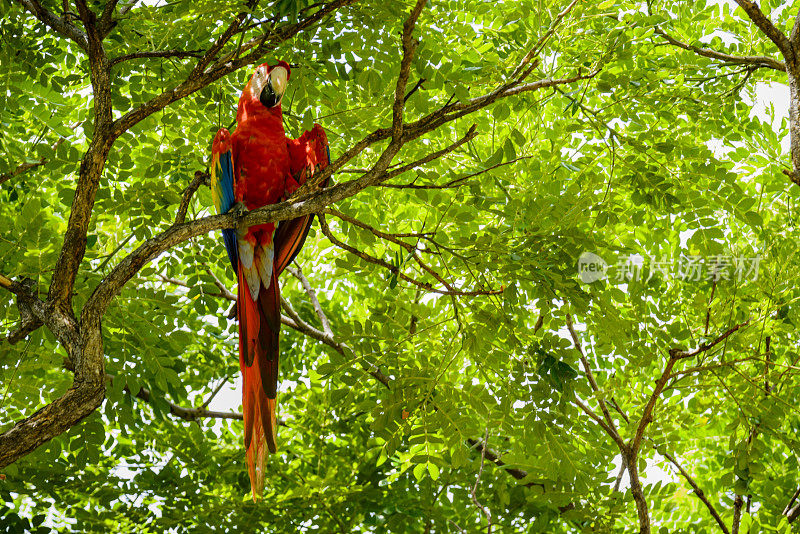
(658, 156)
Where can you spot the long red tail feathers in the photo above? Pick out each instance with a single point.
(259, 322)
(259, 307)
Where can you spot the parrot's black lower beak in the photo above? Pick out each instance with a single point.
(269, 97)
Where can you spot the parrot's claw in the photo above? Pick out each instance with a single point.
(239, 210)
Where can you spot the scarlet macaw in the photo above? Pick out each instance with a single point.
(256, 166)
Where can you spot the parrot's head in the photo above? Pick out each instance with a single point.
(268, 84)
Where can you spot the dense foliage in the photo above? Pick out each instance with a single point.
(457, 315)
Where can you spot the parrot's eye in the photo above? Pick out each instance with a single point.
(258, 82)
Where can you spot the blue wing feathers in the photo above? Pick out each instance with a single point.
(231, 246)
(224, 199)
(226, 162)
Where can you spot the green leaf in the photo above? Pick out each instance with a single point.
(419, 471)
(433, 471)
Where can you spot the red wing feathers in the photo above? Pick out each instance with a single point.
(309, 154)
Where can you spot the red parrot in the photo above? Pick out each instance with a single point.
(257, 166)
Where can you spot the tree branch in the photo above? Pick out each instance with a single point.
(31, 309)
(35, 313)
(493, 457)
(631, 451)
(127, 7)
(297, 272)
(294, 321)
(631, 462)
(537, 48)
(180, 232)
(86, 349)
(61, 26)
(679, 354)
(26, 435)
(187, 414)
(485, 510)
(201, 76)
(21, 168)
(738, 502)
(647, 414)
(394, 238)
(409, 46)
(766, 26)
(305, 205)
(88, 388)
(74, 246)
(456, 182)
(221, 41)
(24, 167)
(395, 270)
(792, 512)
(592, 382)
(518, 474)
(223, 294)
(408, 247)
(794, 37)
(186, 198)
(674, 356)
(754, 61)
(106, 22)
(469, 136)
(156, 54)
(699, 492)
(599, 420)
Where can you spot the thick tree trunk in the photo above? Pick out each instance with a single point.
(86, 394)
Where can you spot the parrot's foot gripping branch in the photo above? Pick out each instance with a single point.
(239, 210)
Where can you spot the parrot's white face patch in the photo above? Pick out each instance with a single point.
(278, 78)
(258, 82)
(269, 85)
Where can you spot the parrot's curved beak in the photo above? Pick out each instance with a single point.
(273, 91)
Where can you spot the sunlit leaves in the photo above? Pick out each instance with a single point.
(658, 158)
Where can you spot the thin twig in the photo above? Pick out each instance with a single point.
(590, 377)
(23, 167)
(163, 54)
(481, 507)
(214, 393)
(456, 182)
(199, 178)
(792, 512)
(395, 270)
(294, 321)
(699, 492)
(679, 354)
(297, 272)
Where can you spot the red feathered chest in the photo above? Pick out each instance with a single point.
(261, 159)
